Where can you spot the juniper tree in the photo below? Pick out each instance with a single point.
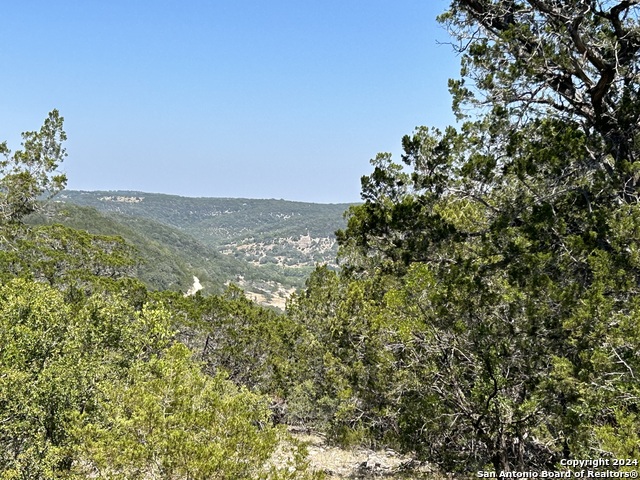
(30, 174)
(516, 240)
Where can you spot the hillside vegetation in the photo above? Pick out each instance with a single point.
(268, 246)
(484, 322)
(167, 258)
(230, 222)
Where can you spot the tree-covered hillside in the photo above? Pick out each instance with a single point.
(97, 378)
(167, 258)
(223, 222)
(485, 320)
(268, 246)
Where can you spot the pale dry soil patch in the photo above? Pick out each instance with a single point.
(197, 286)
(361, 463)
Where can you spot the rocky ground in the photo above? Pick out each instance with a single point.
(361, 463)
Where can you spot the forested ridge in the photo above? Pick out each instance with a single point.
(267, 246)
(484, 316)
(169, 258)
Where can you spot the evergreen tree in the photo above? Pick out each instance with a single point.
(505, 252)
(31, 173)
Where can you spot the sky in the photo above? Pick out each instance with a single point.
(225, 98)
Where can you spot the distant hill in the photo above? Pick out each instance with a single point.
(266, 246)
(169, 258)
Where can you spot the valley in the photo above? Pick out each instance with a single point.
(266, 247)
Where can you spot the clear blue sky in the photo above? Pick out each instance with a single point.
(233, 98)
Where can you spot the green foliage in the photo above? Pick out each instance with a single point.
(96, 388)
(219, 220)
(93, 379)
(247, 342)
(232, 335)
(30, 173)
(486, 312)
(67, 258)
(260, 238)
(512, 328)
(169, 420)
(342, 368)
(54, 354)
(573, 60)
(167, 259)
